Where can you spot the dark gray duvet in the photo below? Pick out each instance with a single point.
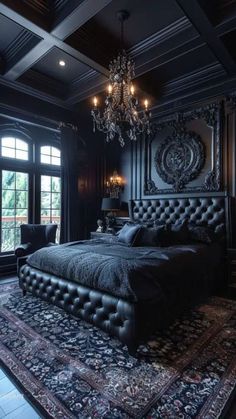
(133, 273)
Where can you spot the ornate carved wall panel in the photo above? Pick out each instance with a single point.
(183, 153)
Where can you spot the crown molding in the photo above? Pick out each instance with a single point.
(86, 88)
(170, 31)
(56, 88)
(194, 79)
(221, 87)
(83, 78)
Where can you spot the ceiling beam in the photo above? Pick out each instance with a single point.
(78, 17)
(199, 19)
(226, 26)
(49, 40)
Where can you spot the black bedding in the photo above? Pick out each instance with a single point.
(132, 273)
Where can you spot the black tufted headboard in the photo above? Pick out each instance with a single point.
(208, 210)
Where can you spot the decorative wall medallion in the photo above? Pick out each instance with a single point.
(180, 158)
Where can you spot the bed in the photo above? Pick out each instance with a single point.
(130, 291)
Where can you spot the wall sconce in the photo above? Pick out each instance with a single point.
(115, 185)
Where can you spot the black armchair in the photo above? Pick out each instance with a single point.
(34, 237)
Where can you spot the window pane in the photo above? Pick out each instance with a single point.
(14, 208)
(45, 159)
(50, 155)
(8, 218)
(8, 179)
(22, 155)
(9, 152)
(56, 184)
(21, 216)
(45, 220)
(46, 150)
(51, 201)
(8, 213)
(56, 201)
(56, 161)
(45, 183)
(9, 142)
(56, 216)
(17, 237)
(21, 199)
(8, 239)
(45, 200)
(8, 199)
(56, 152)
(45, 216)
(14, 148)
(21, 145)
(22, 181)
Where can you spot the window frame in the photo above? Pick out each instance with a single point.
(33, 167)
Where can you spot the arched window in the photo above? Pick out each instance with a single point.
(50, 155)
(14, 190)
(14, 148)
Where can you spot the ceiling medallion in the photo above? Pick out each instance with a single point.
(120, 118)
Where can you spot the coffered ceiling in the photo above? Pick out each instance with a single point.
(179, 46)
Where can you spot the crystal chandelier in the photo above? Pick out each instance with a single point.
(120, 118)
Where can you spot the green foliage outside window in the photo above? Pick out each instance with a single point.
(14, 207)
(51, 201)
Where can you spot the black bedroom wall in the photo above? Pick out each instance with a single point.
(130, 160)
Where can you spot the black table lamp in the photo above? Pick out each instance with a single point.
(111, 205)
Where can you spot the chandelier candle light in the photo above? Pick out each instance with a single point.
(120, 118)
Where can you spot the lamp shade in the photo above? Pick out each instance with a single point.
(110, 204)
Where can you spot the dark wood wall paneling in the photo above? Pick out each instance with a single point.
(131, 159)
(99, 159)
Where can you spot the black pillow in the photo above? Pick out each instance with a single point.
(220, 232)
(178, 233)
(201, 234)
(151, 236)
(128, 233)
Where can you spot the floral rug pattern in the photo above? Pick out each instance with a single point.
(74, 370)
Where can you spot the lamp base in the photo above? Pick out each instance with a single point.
(110, 222)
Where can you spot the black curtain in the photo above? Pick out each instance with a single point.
(70, 207)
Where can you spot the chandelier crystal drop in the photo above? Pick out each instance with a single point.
(121, 118)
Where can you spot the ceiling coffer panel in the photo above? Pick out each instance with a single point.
(176, 44)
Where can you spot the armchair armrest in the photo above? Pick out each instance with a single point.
(23, 250)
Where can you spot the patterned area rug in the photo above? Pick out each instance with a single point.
(73, 370)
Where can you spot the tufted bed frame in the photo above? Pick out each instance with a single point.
(129, 322)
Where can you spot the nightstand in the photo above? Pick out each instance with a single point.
(97, 235)
(231, 268)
